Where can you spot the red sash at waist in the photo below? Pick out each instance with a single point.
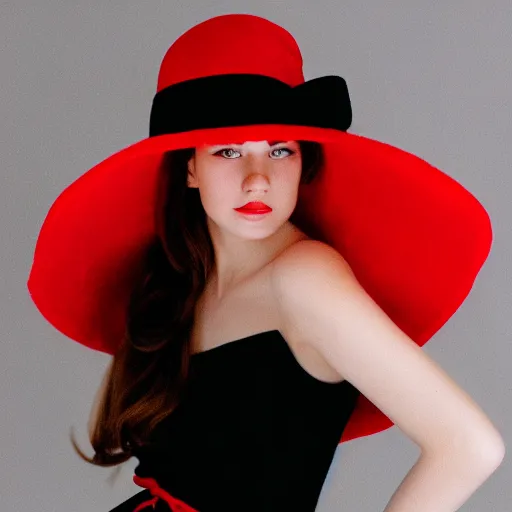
(151, 484)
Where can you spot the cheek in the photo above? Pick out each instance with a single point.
(217, 189)
(289, 177)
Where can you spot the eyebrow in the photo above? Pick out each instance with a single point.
(270, 142)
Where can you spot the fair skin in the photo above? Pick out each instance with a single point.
(319, 302)
(230, 175)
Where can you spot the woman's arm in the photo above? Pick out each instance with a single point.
(441, 482)
(321, 301)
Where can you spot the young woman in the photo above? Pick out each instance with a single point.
(216, 261)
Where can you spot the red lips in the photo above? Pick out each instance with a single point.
(254, 207)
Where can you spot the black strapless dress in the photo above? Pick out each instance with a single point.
(254, 433)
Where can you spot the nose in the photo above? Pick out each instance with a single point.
(256, 180)
(256, 185)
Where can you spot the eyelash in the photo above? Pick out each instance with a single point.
(290, 151)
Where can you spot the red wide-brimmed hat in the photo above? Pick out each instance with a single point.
(414, 237)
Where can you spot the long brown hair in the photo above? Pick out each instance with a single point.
(147, 374)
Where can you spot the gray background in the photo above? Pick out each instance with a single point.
(77, 81)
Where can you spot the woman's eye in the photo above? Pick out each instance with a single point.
(234, 151)
(224, 150)
(290, 152)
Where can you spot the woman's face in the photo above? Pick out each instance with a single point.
(230, 175)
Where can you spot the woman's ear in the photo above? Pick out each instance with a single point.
(191, 179)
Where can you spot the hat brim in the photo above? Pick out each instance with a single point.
(415, 238)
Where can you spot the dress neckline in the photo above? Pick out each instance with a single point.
(239, 341)
(199, 357)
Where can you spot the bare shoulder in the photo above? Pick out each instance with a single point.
(307, 270)
(320, 299)
(295, 279)
(305, 262)
(310, 252)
